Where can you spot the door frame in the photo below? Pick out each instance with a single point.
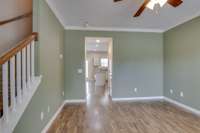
(110, 75)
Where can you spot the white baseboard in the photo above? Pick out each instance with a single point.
(183, 106)
(58, 111)
(155, 98)
(53, 118)
(160, 98)
(75, 101)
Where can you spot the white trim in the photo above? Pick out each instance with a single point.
(134, 99)
(186, 19)
(53, 118)
(14, 116)
(58, 111)
(155, 98)
(183, 106)
(74, 101)
(112, 29)
(56, 13)
(116, 29)
(68, 27)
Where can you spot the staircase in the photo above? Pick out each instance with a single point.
(18, 82)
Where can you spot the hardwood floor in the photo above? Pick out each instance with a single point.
(101, 115)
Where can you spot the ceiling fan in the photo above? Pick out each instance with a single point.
(151, 4)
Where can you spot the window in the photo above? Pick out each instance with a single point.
(104, 62)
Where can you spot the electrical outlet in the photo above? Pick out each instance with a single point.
(181, 94)
(63, 93)
(171, 91)
(48, 109)
(135, 90)
(41, 116)
(80, 71)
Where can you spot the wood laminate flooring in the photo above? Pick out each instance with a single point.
(101, 115)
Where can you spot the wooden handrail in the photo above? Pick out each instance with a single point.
(22, 44)
(16, 18)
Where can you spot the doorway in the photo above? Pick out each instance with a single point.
(98, 64)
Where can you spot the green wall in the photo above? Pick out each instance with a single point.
(50, 66)
(137, 58)
(138, 63)
(182, 63)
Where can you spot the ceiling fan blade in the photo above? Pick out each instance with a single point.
(117, 0)
(141, 9)
(174, 3)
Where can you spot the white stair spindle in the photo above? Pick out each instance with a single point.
(19, 78)
(32, 61)
(24, 91)
(19, 82)
(28, 66)
(5, 91)
(12, 82)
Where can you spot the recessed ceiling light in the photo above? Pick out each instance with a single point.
(97, 41)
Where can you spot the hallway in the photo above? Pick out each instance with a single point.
(101, 115)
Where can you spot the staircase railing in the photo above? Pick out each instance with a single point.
(18, 82)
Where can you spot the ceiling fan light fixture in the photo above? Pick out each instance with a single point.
(162, 2)
(152, 3)
(157, 4)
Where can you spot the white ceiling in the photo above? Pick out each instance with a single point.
(93, 46)
(105, 14)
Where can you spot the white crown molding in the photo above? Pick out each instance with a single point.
(56, 13)
(112, 29)
(186, 19)
(116, 29)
